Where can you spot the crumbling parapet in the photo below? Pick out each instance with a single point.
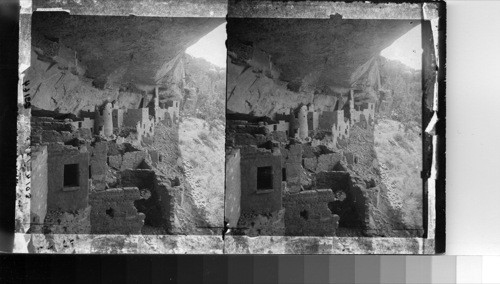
(49, 130)
(325, 162)
(113, 211)
(85, 123)
(145, 128)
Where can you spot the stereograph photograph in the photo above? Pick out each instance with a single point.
(280, 128)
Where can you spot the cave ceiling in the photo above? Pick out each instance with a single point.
(120, 50)
(325, 51)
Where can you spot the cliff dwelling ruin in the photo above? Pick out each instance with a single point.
(321, 133)
(309, 125)
(119, 110)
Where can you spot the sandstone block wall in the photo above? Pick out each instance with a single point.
(292, 162)
(59, 196)
(326, 120)
(264, 201)
(98, 164)
(307, 213)
(132, 116)
(113, 211)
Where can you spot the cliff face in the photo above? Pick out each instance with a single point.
(273, 65)
(204, 89)
(81, 61)
(59, 83)
(249, 90)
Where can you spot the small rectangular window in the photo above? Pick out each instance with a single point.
(71, 175)
(264, 178)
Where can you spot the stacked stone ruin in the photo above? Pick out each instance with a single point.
(280, 181)
(87, 180)
(108, 119)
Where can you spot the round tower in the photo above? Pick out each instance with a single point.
(107, 120)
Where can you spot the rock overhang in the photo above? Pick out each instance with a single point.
(314, 52)
(121, 51)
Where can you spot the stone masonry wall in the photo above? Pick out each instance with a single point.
(59, 196)
(232, 205)
(260, 201)
(113, 211)
(307, 213)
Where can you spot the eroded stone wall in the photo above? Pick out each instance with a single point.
(350, 200)
(307, 213)
(113, 211)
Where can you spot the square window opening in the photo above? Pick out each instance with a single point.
(71, 175)
(264, 178)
